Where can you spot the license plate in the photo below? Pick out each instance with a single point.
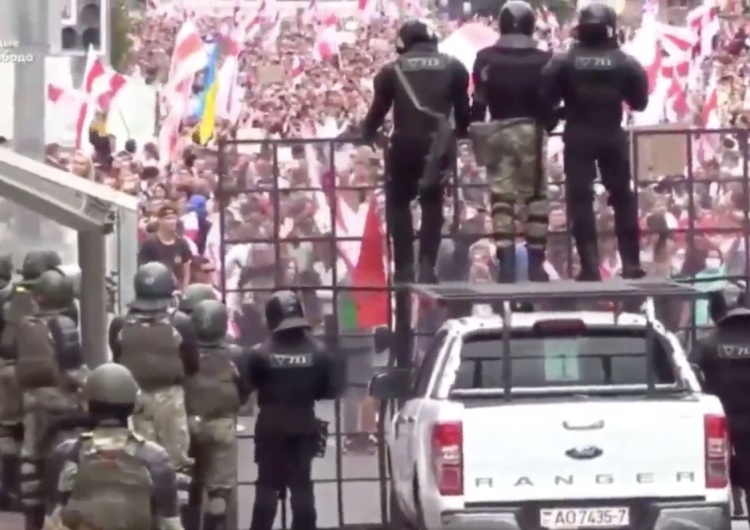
(568, 518)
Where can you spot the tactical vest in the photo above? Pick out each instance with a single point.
(112, 487)
(37, 365)
(212, 392)
(151, 351)
(20, 305)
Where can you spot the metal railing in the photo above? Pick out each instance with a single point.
(256, 205)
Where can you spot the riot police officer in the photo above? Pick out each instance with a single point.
(194, 294)
(158, 346)
(213, 397)
(291, 371)
(110, 477)
(10, 407)
(723, 361)
(506, 79)
(593, 79)
(423, 86)
(50, 372)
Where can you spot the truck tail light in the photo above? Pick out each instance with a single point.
(717, 451)
(447, 457)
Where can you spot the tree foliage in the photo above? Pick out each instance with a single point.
(120, 40)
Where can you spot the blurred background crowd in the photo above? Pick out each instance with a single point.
(237, 187)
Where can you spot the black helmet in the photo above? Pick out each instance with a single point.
(596, 22)
(154, 286)
(413, 32)
(210, 320)
(194, 293)
(728, 303)
(111, 384)
(517, 18)
(53, 290)
(284, 311)
(37, 262)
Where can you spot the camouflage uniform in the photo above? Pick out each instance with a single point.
(45, 404)
(513, 172)
(214, 396)
(150, 350)
(18, 306)
(110, 478)
(107, 481)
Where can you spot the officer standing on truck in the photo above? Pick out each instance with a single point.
(213, 397)
(593, 79)
(158, 346)
(111, 478)
(723, 361)
(291, 371)
(506, 79)
(423, 86)
(50, 372)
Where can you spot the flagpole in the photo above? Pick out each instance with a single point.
(30, 21)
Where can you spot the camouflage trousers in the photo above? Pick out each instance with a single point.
(161, 418)
(42, 407)
(513, 151)
(215, 450)
(11, 410)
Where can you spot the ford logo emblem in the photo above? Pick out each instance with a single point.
(584, 453)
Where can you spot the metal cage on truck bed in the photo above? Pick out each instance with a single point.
(291, 217)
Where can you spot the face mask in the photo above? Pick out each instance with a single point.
(713, 263)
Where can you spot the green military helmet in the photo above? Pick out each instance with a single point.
(154, 285)
(37, 262)
(195, 293)
(210, 320)
(112, 384)
(53, 290)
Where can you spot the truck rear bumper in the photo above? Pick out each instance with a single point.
(657, 516)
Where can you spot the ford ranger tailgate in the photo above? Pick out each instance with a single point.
(599, 449)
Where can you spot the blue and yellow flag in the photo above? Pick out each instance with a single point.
(208, 98)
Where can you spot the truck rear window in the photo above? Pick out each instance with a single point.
(599, 358)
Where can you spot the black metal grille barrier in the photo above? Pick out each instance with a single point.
(271, 197)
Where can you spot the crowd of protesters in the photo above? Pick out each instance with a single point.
(207, 214)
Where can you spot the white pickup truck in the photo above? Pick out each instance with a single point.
(583, 438)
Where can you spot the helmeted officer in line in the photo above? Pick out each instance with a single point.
(111, 478)
(11, 410)
(423, 86)
(194, 294)
(214, 396)
(723, 361)
(50, 371)
(506, 79)
(291, 371)
(157, 344)
(593, 79)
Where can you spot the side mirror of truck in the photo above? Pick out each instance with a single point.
(382, 339)
(391, 384)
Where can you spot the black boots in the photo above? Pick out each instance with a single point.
(9, 469)
(588, 255)
(506, 258)
(506, 265)
(537, 259)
